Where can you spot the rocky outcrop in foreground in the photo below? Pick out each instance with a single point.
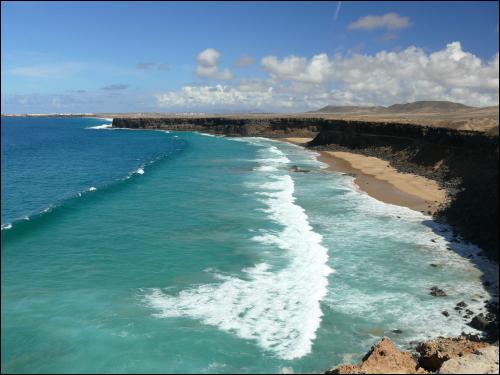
(383, 358)
(443, 356)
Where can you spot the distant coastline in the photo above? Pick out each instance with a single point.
(427, 113)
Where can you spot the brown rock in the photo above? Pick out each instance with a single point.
(435, 352)
(383, 358)
(482, 361)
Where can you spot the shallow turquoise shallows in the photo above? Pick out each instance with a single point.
(149, 251)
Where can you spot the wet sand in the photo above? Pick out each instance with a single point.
(381, 181)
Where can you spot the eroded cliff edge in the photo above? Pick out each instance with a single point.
(463, 162)
(230, 126)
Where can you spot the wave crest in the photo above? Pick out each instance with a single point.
(103, 126)
(280, 309)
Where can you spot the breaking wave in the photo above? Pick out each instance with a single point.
(278, 308)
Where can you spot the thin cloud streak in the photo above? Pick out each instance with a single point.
(337, 11)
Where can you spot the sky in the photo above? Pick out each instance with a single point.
(83, 57)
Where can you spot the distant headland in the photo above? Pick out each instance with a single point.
(432, 113)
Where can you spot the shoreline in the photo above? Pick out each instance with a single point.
(461, 350)
(379, 180)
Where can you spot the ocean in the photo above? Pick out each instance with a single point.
(160, 252)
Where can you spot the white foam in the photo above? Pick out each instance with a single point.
(280, 309)
(266, 168)
(6, 226)
(373, 221)
(139, 171)
(91, 189)
(103, 126)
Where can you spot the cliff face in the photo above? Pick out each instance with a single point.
(272, 127)
(465, 162)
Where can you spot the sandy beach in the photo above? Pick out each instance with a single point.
(381, 181)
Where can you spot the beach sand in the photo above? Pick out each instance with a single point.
(381, 181)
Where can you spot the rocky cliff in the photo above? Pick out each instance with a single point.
(464, 162)
(234, 126)
(443, 356)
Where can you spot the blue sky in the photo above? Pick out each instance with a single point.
(293, 56)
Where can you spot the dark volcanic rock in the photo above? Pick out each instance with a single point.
(231, 126)
(465, 163)
(480, 322)
(445, 313)
(295, 168)
(436, 292)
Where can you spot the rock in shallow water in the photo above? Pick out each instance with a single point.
(481, 322)
(436, 292)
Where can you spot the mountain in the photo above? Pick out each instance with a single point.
(415, 107)
(428, 107)
(348, 109)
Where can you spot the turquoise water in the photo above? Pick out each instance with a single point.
(182, 252)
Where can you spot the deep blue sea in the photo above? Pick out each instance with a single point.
(159, 252)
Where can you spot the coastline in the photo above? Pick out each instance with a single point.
(299, 141)
(378, 179)
(471, 353)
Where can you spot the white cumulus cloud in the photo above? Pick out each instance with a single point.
(390, 21)
(208, 66)
(213, 96)
(316, 70)
(298, 83)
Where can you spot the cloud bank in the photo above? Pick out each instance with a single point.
(300, 83)
(285, 83)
